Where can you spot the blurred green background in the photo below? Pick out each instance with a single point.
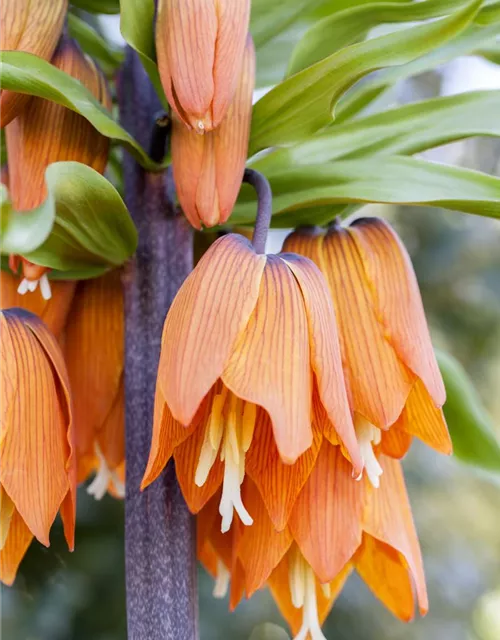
(80, 596)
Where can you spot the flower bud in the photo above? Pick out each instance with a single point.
(208, 169)
(33, 27)
(199, 45)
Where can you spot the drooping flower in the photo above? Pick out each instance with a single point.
(33, 27)
(394, 384)
(200, 81)
(249, 358)
(37, 463)
(94, 353)
(337, 526)
(46, 132)
(208, 169)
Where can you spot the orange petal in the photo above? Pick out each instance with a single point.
(53, 312)
(260, 548)
(33, 27)
(278, 483)
(237, 586)
(388, 518)
(397, 298)
(395, 442)
(167, 435)
(96, 326)
(211, 309)
(422, 419)
(378, 381)
(111, 436)
(326, 360)
(16, 545)
(270, 362)
(35, 449)
(200, 82)
(326, 519)
(385, 571)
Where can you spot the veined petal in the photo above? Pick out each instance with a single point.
(237, 589)
(270, 362)
(395, 442)
(35, 450)
(385, 571)
(378, 381)
(422, 419)
(111, 435)
(279, 483)
(208, 314)
(260, 547)
(326, 518)
(16, 545)
(388, 518)
(397, 298)
(326, 360)
(53, 312)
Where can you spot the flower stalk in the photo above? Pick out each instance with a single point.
(264, 208)
(159, 531)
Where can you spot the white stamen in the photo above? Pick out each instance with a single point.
(368, 435)
(231, 495)
(303, 592)
(104, 476)
(32, 285)
(45, 289)
(222, 580)
(23, 287)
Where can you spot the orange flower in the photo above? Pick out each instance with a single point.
(337, 525)
(393, 380)
(200, 81)
(94, 353)
(37, 470)
(249, 350)
(33, 27)
(208, 169)
(45, 133)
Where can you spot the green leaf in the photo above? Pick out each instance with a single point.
(269, 631)
(137, 28)
(471, 430)
(347, 27)
(98, 6)
(83, 226)
(305, 102)
(26, 73)
(270, 17)
(391, 180)
(403, 130)
(94, 44)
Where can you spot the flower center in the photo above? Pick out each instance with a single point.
(302, 583)
(229, 433)
(222, 580)
(6, 513)
(104, 477)
(368, 435)
(31, 285)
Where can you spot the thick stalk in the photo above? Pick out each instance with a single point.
(159, 531)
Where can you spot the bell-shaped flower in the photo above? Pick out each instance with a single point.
(33, 27)
(94, 354)
(208, 169)
(37, 462)
(249, 357)
(46, 132)
(200, 81)
(394, 383)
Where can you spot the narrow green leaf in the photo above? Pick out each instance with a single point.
(403, 130)
(98, 6)
(347, 27)
(305, 102)
(137, 28)
(94, 44)
(26, 73)
(471, 430)
(269, 17)
(83, 226)
(379, 179)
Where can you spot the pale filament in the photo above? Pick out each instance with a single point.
(104, 477)
(368, 435)
(31, 285)
(6, 513)
(302, 583)
(229, 434)
(222, 580)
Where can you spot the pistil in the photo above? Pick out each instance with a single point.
(104, 477)
(368, 435)
(303, 593)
